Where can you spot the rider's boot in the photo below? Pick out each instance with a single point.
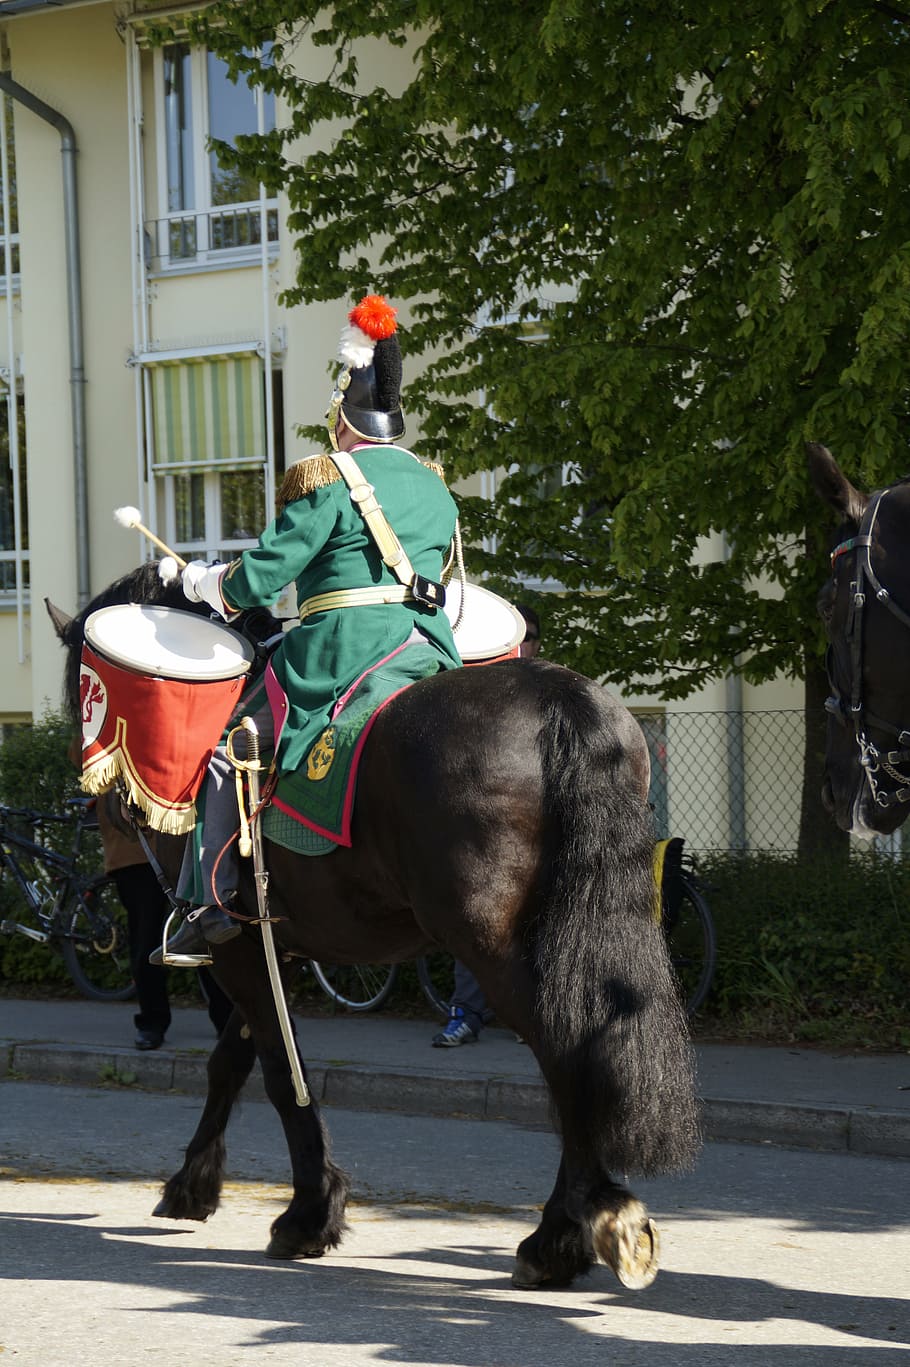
(203, 927)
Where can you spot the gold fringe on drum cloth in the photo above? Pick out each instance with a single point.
(168, 819)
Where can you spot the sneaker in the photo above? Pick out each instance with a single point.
(456, 1031)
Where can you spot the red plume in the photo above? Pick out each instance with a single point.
(375, 316)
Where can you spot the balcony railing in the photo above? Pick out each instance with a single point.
(232, 232)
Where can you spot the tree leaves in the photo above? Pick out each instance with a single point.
(660, 245)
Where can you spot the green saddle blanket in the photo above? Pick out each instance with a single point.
(311, 809)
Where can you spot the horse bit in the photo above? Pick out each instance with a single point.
(872, 759)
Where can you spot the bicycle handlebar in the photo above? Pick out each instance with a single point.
(83, 809)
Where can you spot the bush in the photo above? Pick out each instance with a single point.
(35, 770)
(819, 954)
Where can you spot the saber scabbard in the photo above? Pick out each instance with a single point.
(251, 834)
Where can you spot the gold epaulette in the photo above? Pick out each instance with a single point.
(312, 472)
(436, 468)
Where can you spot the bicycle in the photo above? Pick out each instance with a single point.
(365, 987)
(687, 922)
(79, 915)
(356, 987)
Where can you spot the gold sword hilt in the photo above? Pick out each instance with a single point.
(250, 766)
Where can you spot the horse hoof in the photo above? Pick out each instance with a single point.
(527, 1276)
(282, 1247)
(628, 1242)
(165, 1211)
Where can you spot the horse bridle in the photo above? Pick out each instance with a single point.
(874, 761)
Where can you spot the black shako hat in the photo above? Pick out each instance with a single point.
(368, 389)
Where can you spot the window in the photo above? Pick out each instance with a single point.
(207, 214)
(213, 508)
(13, 518)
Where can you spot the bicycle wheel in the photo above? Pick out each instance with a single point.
(358, 987)
(689, 930)
(95, 944)
(436, 975)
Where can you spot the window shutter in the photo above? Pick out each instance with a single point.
(208, 413)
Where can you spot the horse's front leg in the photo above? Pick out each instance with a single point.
(314, 1220)
(194, 1191)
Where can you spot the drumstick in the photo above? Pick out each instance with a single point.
(129, 517)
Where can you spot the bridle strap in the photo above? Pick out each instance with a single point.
(849, 545)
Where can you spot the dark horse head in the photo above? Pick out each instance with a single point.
(865, 606)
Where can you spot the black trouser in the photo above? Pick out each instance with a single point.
(147, 909)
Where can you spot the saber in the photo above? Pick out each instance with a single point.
(261, 874)
(130, 517)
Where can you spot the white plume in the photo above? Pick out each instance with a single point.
(167, 569)
(128, 517)
(355, 347)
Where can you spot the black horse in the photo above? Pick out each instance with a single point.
(865, 605)
(501, 813)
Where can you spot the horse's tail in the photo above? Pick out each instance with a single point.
(613, 1040)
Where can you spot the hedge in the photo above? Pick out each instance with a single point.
(810, 953)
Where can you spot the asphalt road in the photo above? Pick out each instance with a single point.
(770, 1257)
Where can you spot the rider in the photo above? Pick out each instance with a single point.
(321, 541)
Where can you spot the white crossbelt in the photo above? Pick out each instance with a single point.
(355, 598)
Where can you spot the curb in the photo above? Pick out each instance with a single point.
(832, 1129)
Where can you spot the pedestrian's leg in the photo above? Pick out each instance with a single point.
(469, 997)
(466, 1011)
(146, 910)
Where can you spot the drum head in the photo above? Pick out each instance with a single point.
(489, 625)
(168, 642)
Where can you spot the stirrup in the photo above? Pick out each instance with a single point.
(180, 960)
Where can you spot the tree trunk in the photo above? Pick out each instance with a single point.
(819, 837)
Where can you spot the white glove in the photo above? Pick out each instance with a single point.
(202, 584)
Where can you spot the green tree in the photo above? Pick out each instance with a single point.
(650, 247)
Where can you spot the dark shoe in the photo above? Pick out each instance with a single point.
(188, 943)
(209, 925)
(217, 926)
(148, 1039)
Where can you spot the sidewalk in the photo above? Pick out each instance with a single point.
(797, 1097)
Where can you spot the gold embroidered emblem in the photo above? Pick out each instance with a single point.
(319, 760)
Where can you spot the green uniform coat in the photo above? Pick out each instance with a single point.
(321, 543)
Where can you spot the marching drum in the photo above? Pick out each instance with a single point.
(157, 687)
(169, 643)
(490, 628)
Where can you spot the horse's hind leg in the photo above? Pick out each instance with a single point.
(557, 1252)
(586, 1220)
(194, 1191)
(314, 1220)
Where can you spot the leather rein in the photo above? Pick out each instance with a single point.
(877, 763)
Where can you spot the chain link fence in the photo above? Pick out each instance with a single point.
(727, 780)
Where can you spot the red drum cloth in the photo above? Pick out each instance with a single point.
(156, 735)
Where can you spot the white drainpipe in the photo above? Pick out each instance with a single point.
(74, 316)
